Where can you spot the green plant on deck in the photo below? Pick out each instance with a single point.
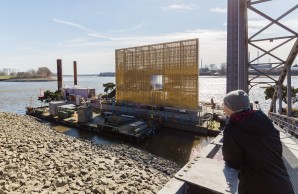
(270, 91)
(51, 96)
(108, 86)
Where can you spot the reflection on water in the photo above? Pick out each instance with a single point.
(178, 146)
(82, 134)
(90, 136)
(60, 129)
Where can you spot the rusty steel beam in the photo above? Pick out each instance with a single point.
(75, 75)
(59, 73)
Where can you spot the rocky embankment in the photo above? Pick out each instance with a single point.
(36, 159)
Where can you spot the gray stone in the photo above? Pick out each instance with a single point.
(6, 187)
(123, 176)
(2, 182)
(80, 183)
(21, 157)
(102, 167)
(70, 174)
(41, 160)
(40, 146)
(120, 181)
(88, 178)
(9, 153)
(61, 190)
(73, 186)
(22, 176)
(47, 184)
(84, 171)
(60, 183)
(2, 191)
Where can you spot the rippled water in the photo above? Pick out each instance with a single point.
(14, 96)
(175, 145)
(215, 87)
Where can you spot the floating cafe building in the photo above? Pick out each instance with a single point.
(157, 86)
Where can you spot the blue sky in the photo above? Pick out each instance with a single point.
(35, 33)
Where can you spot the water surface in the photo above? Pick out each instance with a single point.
(178, 146)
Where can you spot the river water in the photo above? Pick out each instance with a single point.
(171, 144)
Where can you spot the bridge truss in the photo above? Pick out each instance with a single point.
(271, 41)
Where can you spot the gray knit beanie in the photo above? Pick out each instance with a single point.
(237, 100)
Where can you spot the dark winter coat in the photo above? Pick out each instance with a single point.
(252, 144)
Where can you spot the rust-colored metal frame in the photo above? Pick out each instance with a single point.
(177, 64)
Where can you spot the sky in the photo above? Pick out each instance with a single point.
(35, 33)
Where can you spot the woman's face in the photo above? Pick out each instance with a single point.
(227, 111)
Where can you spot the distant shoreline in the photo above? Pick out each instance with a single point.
(28, 80)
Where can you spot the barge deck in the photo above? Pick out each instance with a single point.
(127, 129)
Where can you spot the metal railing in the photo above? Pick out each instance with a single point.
(289, 124)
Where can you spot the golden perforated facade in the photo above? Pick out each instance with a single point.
(163, 74)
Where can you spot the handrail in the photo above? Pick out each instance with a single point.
(289, 124)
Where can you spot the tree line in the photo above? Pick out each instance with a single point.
(41, 72)
(212, 69)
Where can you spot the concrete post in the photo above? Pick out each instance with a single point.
(75, 75)
(289, 90)
(59, 73)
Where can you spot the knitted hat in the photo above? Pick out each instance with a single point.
(237, 100)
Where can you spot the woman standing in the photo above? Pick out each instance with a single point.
(252, 145)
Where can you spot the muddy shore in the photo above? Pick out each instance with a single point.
(36, 159)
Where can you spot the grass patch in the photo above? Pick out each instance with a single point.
(5, 76)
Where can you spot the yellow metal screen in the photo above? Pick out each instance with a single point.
(163, 74)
